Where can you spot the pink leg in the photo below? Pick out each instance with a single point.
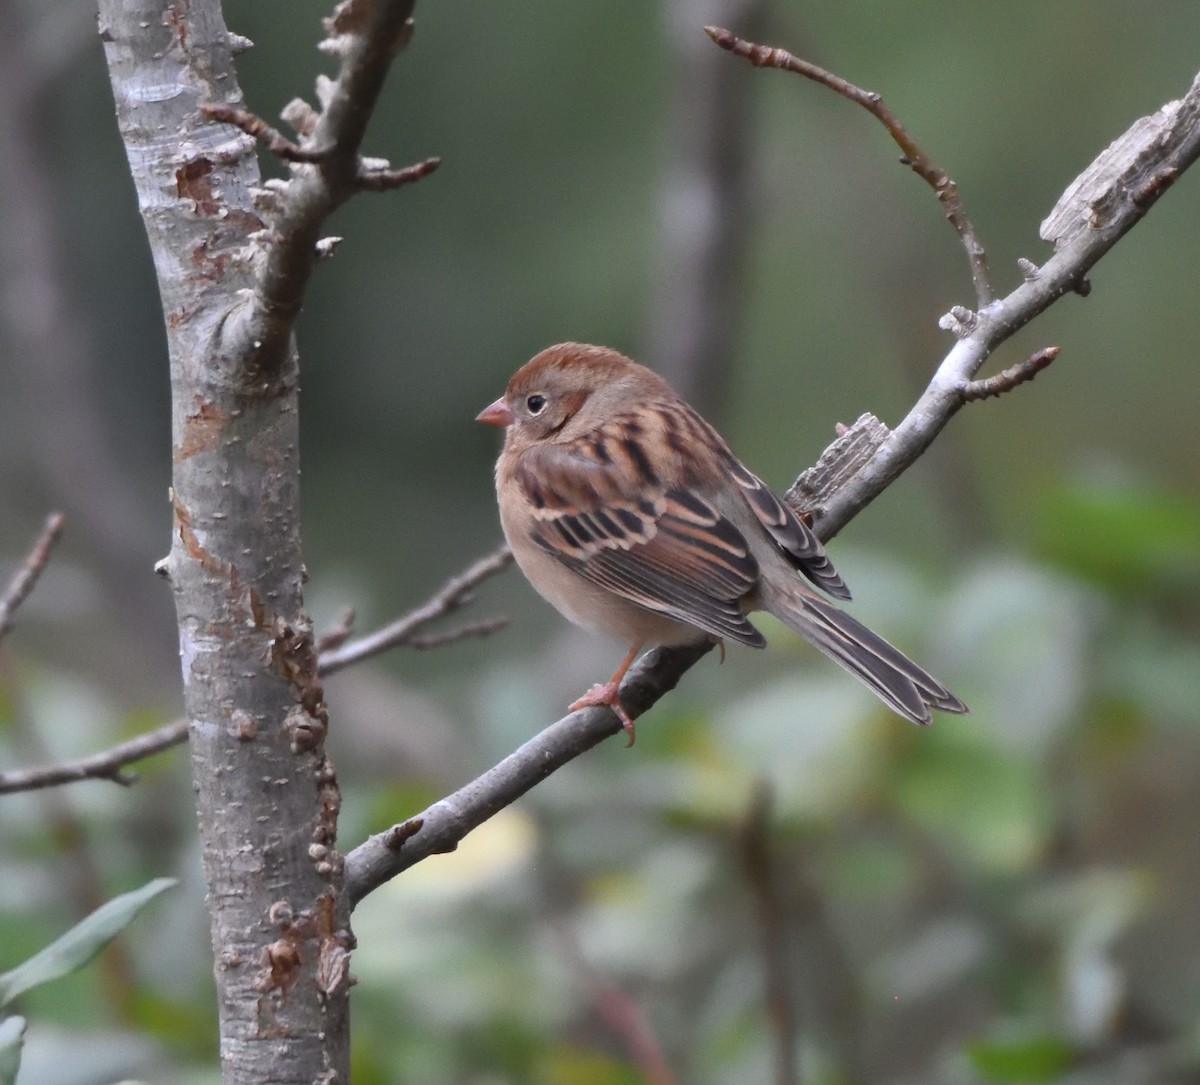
(605, 694)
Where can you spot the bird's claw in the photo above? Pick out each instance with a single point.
(604, 694)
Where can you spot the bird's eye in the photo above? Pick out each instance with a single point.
(536, 403)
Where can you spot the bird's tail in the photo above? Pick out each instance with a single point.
(894, 678)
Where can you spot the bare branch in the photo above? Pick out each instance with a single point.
(106, 765)
(231, 286)
(1009, 378)
(764, 56)
(335, 654)
(1159, 159)
(449, 597)
(27, 575)
(1089, 219)
(447, 821)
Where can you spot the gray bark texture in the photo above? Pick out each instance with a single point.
(266, 796)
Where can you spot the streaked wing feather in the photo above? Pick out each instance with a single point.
(690, 572)
(791, 534)
(897, 680)
(667, 594)
(667, 550)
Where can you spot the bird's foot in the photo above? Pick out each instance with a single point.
(604, 694)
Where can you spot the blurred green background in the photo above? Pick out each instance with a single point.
(1005, 897)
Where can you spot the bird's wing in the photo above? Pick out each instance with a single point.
(600, 509)
(792, 535)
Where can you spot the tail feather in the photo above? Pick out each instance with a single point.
(895, 679)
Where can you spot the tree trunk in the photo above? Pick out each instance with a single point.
(266, 796)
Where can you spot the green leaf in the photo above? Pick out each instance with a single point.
(1127, 536)
(81, 943)
(12, 1036)
(1034, 1058)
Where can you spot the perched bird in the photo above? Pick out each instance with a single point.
(629, 513)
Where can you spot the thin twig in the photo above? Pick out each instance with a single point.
(255, 127)
(1008, 379)
(27, 575)
(450, 596)
(105, 765)
(385, 178)
(758, 864)
(765, 56)
(65, 824)
(338, 633)
(1093, 214)
(485, 627)
(404, 632)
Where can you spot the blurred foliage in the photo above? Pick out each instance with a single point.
(1008, 897)
(67, 954)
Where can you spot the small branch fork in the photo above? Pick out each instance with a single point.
(452, 595)
(765, 56)
(374, 175)
(341, 653)
(1122, 185)
(328, 168)
(255, 127)
(1009, 378)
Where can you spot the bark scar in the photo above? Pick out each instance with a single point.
(202, 429)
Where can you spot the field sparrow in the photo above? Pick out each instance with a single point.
(629, 513)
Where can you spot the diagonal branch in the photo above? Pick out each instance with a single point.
(450, 596)
(1122, 184)
(439, 828)
(27, 575)
(1102, 205)
(765, 56)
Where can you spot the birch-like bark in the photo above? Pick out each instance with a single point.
(266, 796)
